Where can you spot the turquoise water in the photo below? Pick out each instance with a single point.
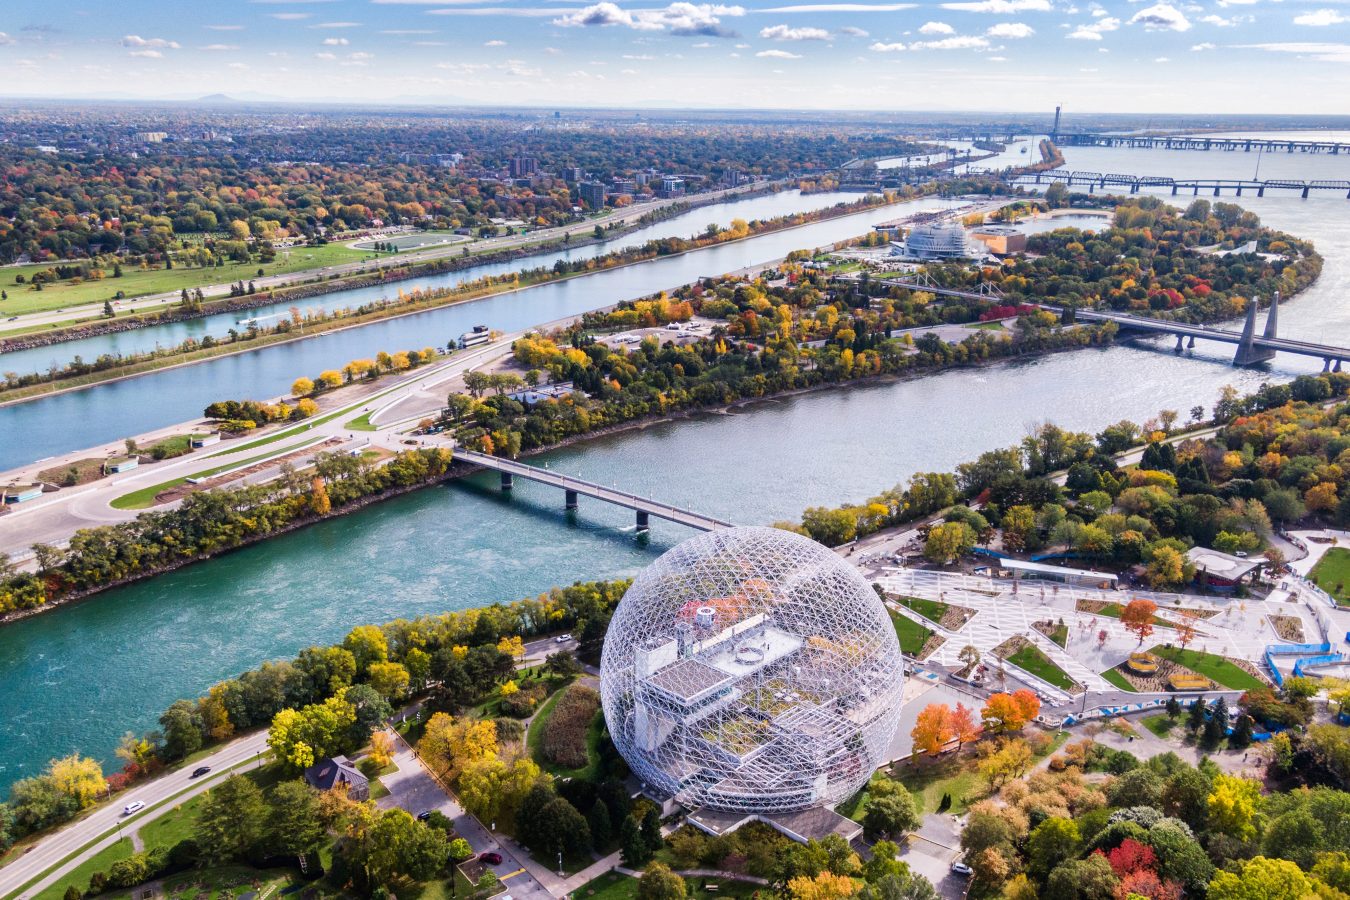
(77, 678)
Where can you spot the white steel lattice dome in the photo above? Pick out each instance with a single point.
(752, 670)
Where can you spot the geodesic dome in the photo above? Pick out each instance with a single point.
(752, 670)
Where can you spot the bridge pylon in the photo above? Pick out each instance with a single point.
(1248, 354)
(1272, 318)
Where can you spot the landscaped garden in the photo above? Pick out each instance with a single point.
(1332, 574)
(912, 635)
(1219, 669)
(1031, 659)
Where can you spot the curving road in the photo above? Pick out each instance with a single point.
(104, 825)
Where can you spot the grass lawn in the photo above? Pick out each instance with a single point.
(1160, 724)
(1115, 609)
(534, 742)
(1113, 675)
(79, 876)
(987, 326)
(1332, 574)
(360, 423)
(912, 635)
(932, 610)
(86, 470)
(1037, 663)
(616, 886)
(173, 446)
(1060, 635)
(137, 283)
(145, 497)
(173, 826)
(1215, 668)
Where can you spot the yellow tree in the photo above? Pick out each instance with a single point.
(318, 497)
(512, 646)
(78, 777)
(1233, 804)
(390, 680)
(302, 387)
(825, 886)
(382, 748)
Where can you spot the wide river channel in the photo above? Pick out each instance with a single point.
(76, 678)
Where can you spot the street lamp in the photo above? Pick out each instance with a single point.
(560, 868)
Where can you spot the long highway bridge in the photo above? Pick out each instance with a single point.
(1200, 142)
(1216, 186)
(1252, 348)
(574, 487)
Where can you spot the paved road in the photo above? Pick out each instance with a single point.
(54, 517)
(485, 245)
(104, 825)
(414, 788)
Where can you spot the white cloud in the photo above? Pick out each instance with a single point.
(1320, 18)
(678, 18)
(336, 25)
(224, 27)
(1162, 59)
(960, 42)
(997, 58)
(408, 31)
(784, 33)
(1011, 30)
(1322, 52)
(335, 42)
(1221, 22)
(494, 43)
(220, 48)
(147, 54)
(291, 16)
(1001, 7)
(325, 56)
(136, 41)
(640, 57)
(777, 54)
(853, 31)
(879, 47)
(936, 28)
(1098, 11)
(841, 7)
(1161, 17)
(1206, 45)
(1094, 31)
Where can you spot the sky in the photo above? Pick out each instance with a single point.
(1165, 56)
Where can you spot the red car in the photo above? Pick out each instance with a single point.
(491, 858)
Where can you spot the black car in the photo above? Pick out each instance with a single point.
(423, 816)
(200, 771)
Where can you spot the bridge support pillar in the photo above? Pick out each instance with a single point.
(1174, 190)
(1190, 345)
(643, 522)
(508, 481)
(1337, 367)
(1180, 340)
(1216, 191)
(1248, 354)
(1261, 191)
(1305, 192)
(570, 500)
(1326, 364)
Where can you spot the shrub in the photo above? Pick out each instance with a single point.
(566, 729)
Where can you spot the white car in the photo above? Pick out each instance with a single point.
(962, 869)
(134, 806)
(562, 638)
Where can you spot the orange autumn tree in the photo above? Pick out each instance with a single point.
(965, 725)
(1005, 713)
(1186, 627)
(1137, 617)
(933, 729)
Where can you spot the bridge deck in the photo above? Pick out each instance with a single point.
(590, 489)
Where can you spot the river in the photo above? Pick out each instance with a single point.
(113, 410)
(77, 678)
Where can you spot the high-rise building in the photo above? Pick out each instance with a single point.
(592, 194)
(524, 165)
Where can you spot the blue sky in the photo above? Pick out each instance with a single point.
(1189, 56)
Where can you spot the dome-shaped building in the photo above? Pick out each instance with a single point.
(752, 670)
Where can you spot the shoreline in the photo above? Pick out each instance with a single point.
(458, 469)
(56, 391)
(315, 285)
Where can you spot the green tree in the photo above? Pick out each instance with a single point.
(562, 829)
(632, 847)
(232, 820)
(398, 846)
(181, 726)
(1233, 806)
(1052, 842)
(658, 882)
(899, 886)
(294, 823)
(1261, 879)
(949, 541)
(890, 814)
(602, 831)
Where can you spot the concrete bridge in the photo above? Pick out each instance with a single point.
(1177, 142)
(1252, 348)
(575, 487)
(1215, 186)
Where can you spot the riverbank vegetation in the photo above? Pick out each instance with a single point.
(1277, 457)
(207, 523)
(16, 385)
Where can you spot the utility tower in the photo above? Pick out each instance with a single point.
(1054, 132)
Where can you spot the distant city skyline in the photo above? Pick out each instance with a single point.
(1168, 56)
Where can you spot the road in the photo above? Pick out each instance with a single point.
(54, 517)
(104, 825)
(617, 217)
